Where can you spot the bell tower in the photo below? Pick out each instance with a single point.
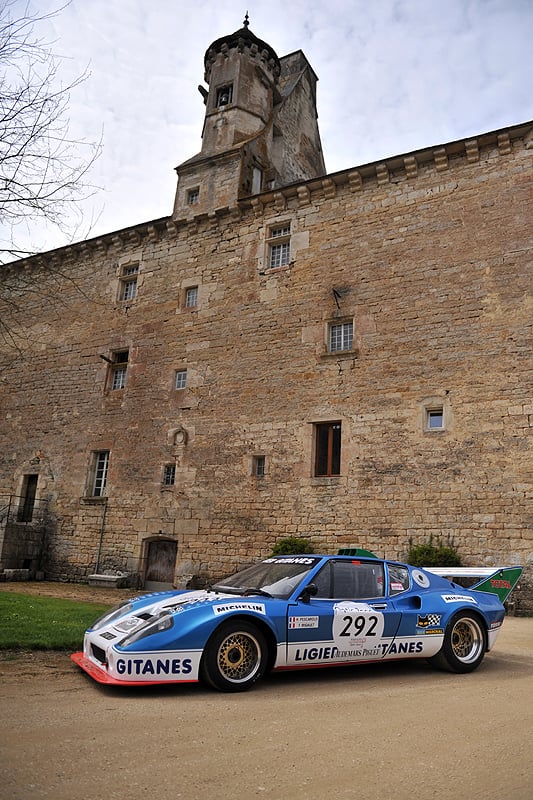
(260, 129)
(242, 72)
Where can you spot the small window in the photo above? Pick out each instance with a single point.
(181, 379)
(340, 336)
(327, 449)
(128, 282)
(279, 246)
(259, 466)
(119, 369)
(99, 467)
(29, 491)
(398, 578)
(169, 475)
(434, 419)
(193, 196)
(191, 297)
(224, 95)
(257, 180)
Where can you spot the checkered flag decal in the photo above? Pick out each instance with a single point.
(433, 619)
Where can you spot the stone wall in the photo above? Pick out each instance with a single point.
(428, 254)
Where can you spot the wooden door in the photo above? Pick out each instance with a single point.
(160, 564)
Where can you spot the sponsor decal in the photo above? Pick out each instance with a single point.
(494, 625)
(402, 648)
(153, 667)
(439, 631)
(227, 608)
(290, 560)
(364, 652)
(303, 622)
(458, 598)
(420, 578)
(500, 584)
(315, 653)
(428, 620)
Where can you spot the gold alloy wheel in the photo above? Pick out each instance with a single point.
(239, 656)
(467, 639)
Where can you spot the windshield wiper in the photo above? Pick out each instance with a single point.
(257, 590)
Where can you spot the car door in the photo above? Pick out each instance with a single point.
(349, 618)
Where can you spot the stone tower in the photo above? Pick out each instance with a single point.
(260, 129)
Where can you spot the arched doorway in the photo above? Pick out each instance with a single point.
(160, 564)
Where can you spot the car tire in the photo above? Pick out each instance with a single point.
(464, 645)
(235, 657)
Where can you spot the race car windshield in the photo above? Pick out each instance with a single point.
(277, 577)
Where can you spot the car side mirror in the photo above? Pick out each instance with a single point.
(310, 591)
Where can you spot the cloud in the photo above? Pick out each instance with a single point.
(394, 76)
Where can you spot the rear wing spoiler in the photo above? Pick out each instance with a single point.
(495, 580)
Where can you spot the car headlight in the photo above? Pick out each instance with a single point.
(110, 616)
(161, 622)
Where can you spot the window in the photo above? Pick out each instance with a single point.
(100, 463)
(181, 379)
(119, 368)
(29, 490)
(169, 475)
(328, 449)
(258, 466)
(434, 419)
(398, 578)
(224, 95)
(193, 196)
(341, 336)
(191, 297)
(350, 580)
(257, 180)
(279, 246)
(128, 282)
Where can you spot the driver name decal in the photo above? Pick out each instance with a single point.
(303, 622)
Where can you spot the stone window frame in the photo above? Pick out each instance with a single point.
(189, 285)
(259, 466)
(224, 92)
(98, 472)
(432, 409)
(168, 478)
(129, 279)
(193, 196)
(326, 448)
(180, 379)
(347, 326)
(129, 276)
(279, 245)
(118, 369)
(190, 298)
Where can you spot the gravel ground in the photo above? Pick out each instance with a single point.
(386, 732)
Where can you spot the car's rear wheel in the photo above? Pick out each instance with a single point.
(464, 644)
(235, 657)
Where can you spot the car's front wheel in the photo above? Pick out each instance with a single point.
(235, 657)
(464, 644)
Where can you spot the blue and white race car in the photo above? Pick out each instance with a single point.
(291, 612)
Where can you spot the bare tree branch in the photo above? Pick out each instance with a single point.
(43, 172)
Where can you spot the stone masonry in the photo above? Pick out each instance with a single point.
(428, 255)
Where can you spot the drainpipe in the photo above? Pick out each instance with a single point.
(102, 528)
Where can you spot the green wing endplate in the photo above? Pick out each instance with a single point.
(501, 582)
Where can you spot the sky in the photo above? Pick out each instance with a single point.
(394, 76)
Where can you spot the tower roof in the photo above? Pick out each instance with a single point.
(240, 39)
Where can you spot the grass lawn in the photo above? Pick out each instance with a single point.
(44, 623)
